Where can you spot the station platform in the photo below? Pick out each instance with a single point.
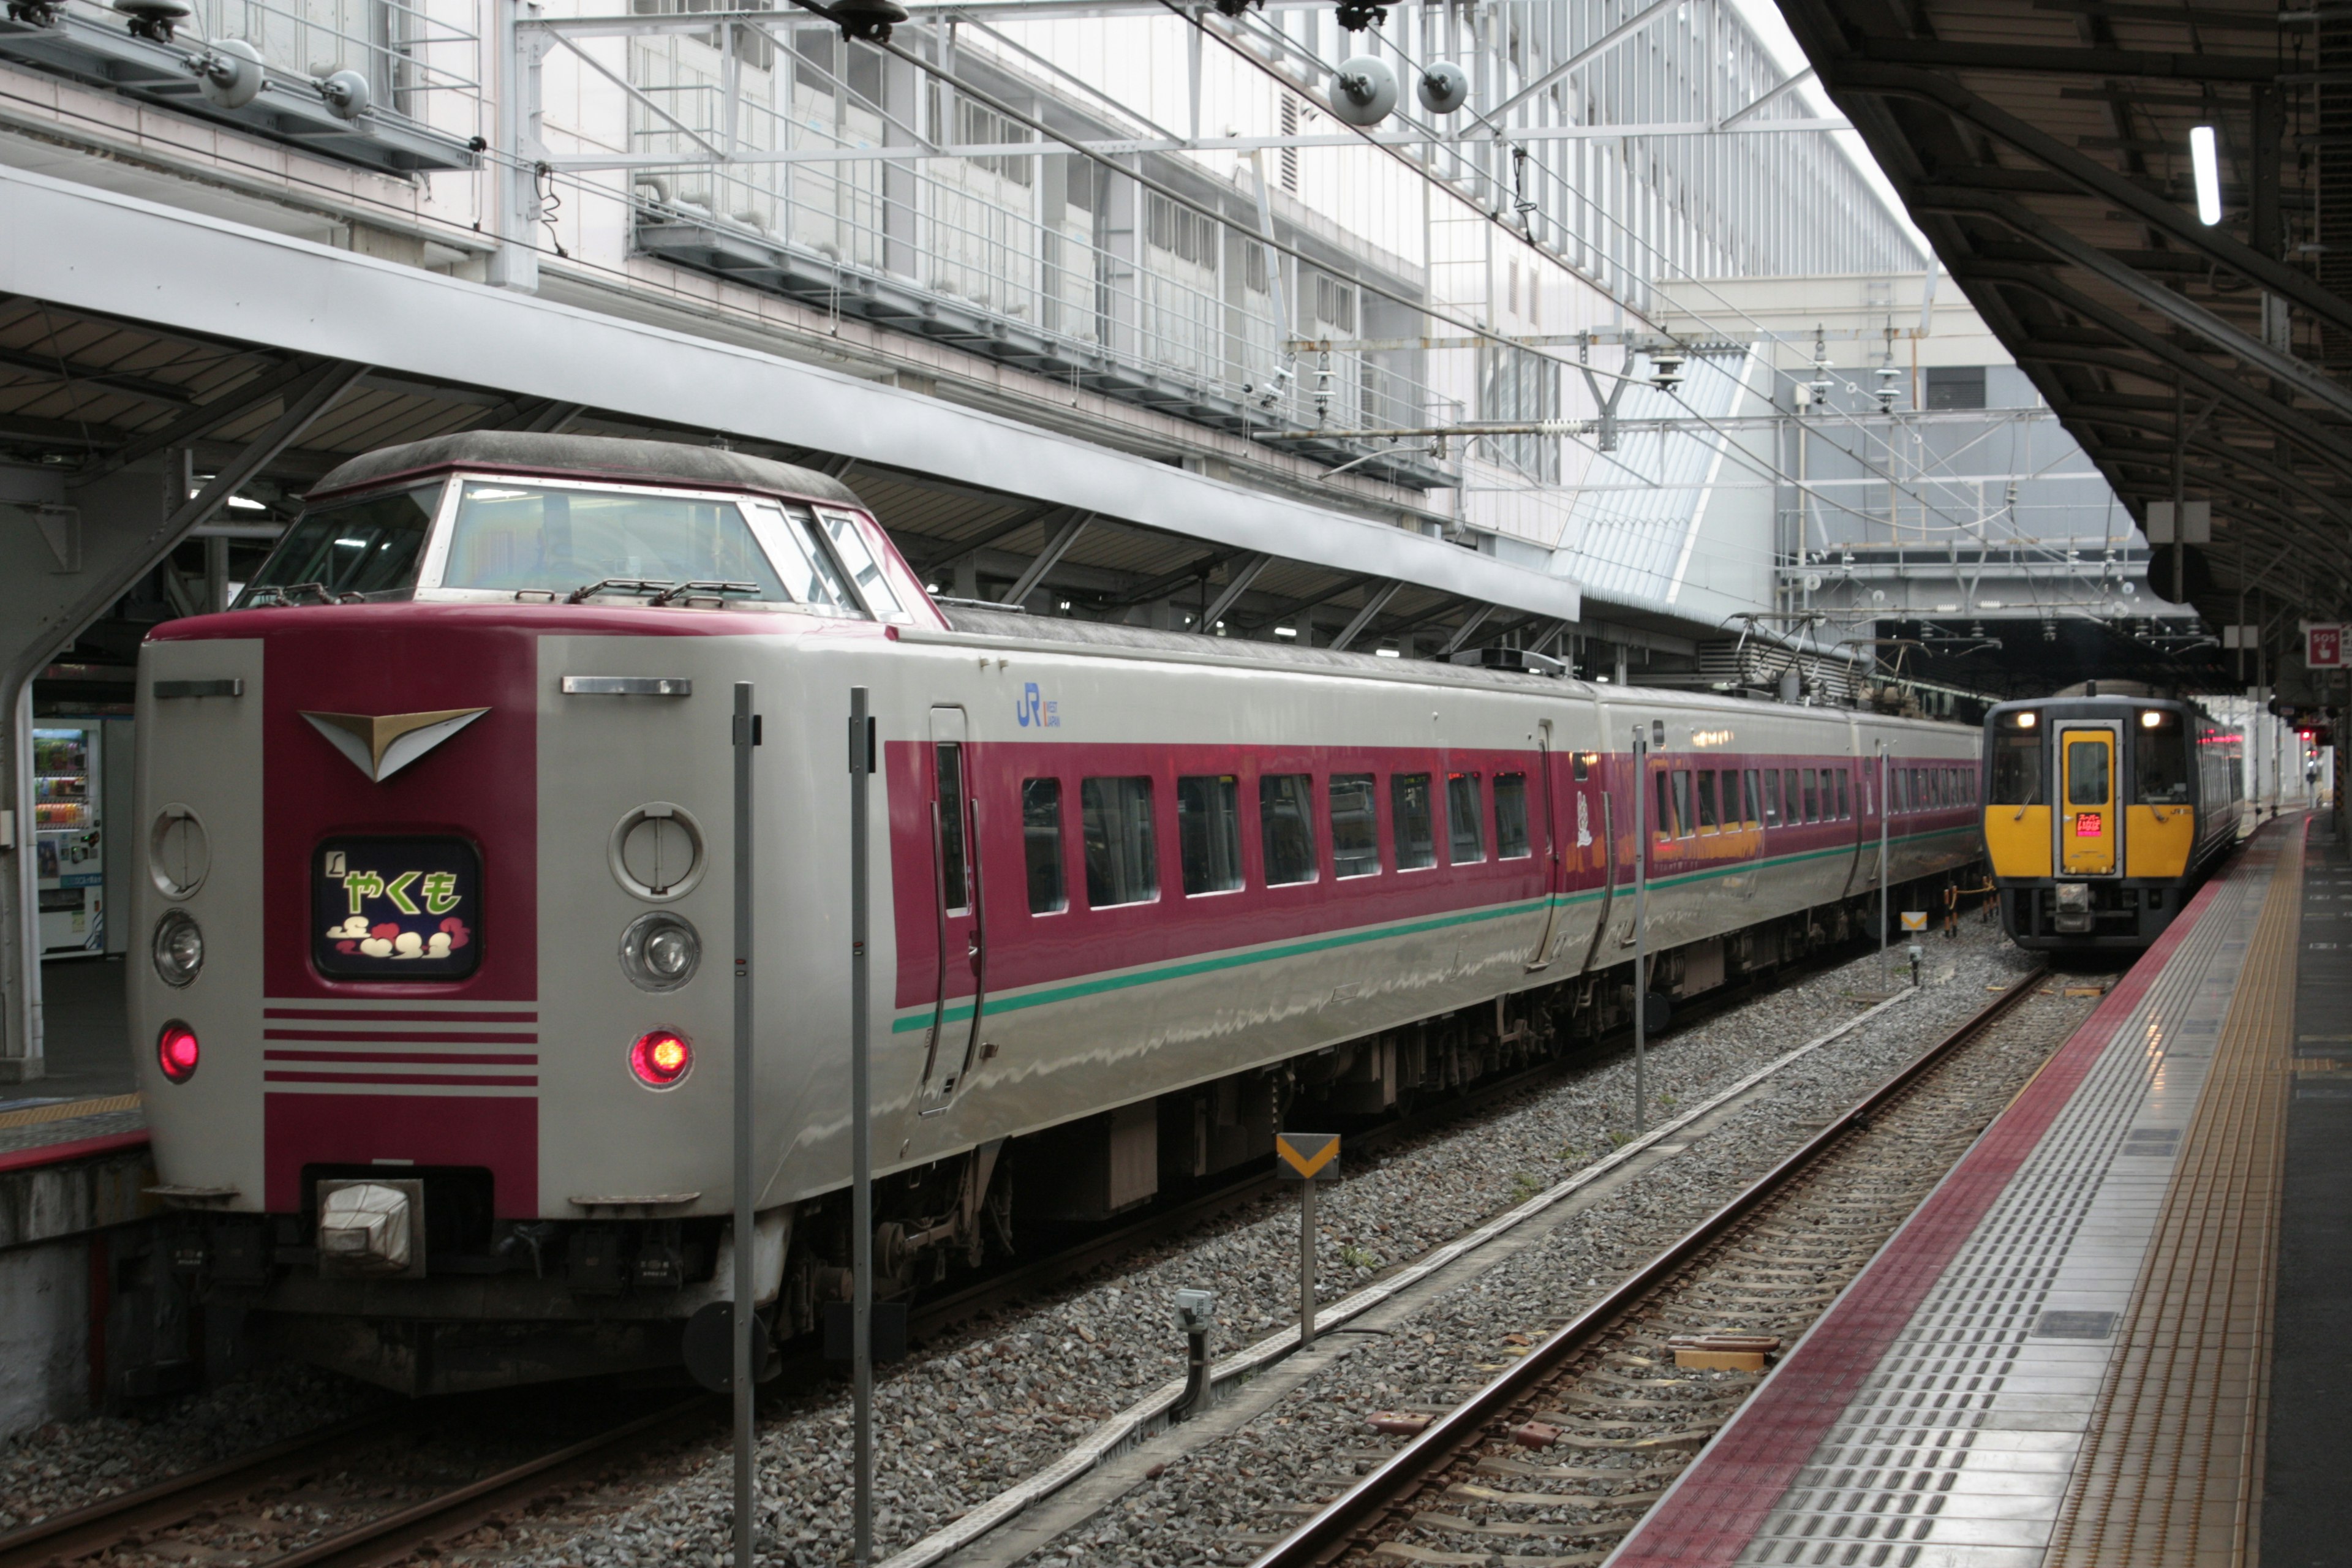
(86, 1100)
(2116, 1332)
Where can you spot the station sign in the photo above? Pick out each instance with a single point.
(2323, 647)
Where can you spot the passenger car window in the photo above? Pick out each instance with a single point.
(1844, 805)
(1812, 785)
(1707, 819)
(1511, 817)
(1582, 765)
(1285, 826)
(1752, 806)
(1409, 820)
(1663, 824)
(367, 546)
(1208, 832)
(1122, 862)
(1771, 797)
(955, 876)
(1792, 799)
(1041, 845)
(1355, 827)
(1686, 821)
(1465, 820)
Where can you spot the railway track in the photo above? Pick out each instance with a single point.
(251, 1496)
(1552, 1462)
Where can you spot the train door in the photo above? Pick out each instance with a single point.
(1541, 957)
(958, 896)
(2088, 827)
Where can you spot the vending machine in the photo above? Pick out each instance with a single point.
(71, 855)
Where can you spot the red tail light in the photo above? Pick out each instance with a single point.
(176, 1051)
(660, 1059)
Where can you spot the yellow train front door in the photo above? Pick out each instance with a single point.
(2087, 830)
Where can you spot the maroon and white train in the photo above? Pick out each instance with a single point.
(436, 1006)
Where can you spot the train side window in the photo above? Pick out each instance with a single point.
(1582, 764)
(1792, 799)
(1465, 820)
(1710, 820)
(1771, 797)
(1411, 821)
(1208, 832)
(1751, 800)
(955, 878)
(1812, 785)
(1285, 826)
(1511, 817)
(1122, 857)
(1844, 802)
(1355, 829)
(1685, 823)
(1041, 840)
(1664, 825)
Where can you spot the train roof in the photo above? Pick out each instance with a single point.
(587, 457)
(2075, 703)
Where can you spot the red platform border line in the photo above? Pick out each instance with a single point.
(1723, 1501)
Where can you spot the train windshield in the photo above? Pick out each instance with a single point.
(516, 537)
(2160, 763)
(368, 547)
(2017, 770)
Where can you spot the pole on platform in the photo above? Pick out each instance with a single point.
(1640, 932)
(1885, 893)
(861, 1136)
(743, 1319)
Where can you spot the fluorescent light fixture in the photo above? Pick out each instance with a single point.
(242, 504)
(2206, 156)
(1280, 631)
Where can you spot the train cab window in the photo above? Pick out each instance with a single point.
(1771, 797)
(1465, 820)
(1409, 817)
(1709, 821)
(1355, 826)
(955, 873)
(2016, 769)
(850, 548)
(1511, 817)
(1686, 821)
(2160, 761)
(1122, 860)
(1041, 844)
(1844, 802)
(369, 547)
(2086, 773)
(1209, 833)
(511, 538)
(1286, 827)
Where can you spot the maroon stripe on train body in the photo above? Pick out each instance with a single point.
(500, 1132)
(502, 1059)
(440, 1079)
(401, 1037)
(1027, 949)
(420, 1015)
(1723, 1500)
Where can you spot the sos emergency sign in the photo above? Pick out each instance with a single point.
(2323, 647)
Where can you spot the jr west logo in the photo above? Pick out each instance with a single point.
(1034, 712)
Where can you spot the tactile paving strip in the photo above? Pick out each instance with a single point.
(2171, 1468)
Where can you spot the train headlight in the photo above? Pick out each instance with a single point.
(2025, 720)
(179, 948)
(661, 1060)
(176, 1051)
(2151, 717)
(660, 952)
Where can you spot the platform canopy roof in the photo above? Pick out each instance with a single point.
(2044, 146)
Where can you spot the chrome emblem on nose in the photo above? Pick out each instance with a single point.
(380, 745)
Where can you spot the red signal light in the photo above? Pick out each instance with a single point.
(176, 1051)
(661, 1060)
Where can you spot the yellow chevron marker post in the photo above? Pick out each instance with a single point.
(1301, 1157)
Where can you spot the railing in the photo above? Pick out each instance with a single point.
(949, 229)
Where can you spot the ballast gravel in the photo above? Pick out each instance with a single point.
(995, 1402)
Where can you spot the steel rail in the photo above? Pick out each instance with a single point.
(1340, 1527)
